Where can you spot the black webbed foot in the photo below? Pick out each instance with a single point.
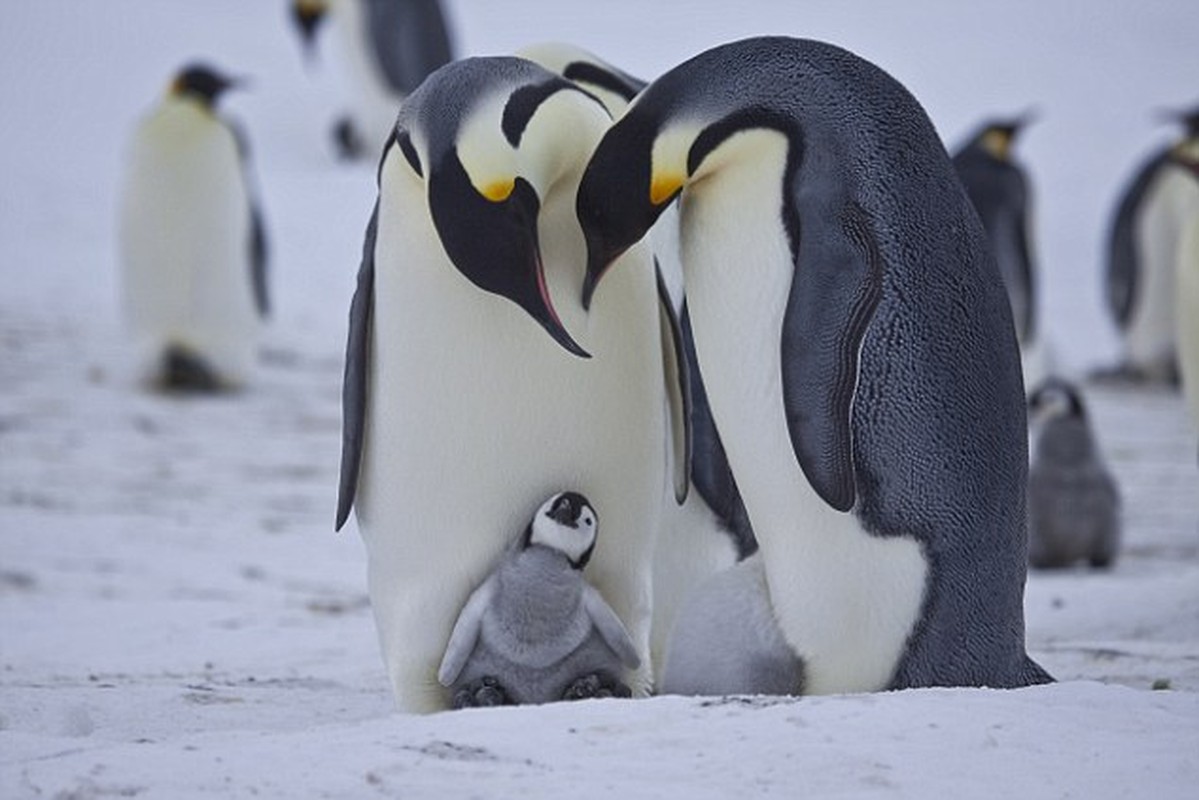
(595, 684)
(484, 692)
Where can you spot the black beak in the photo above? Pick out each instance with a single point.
(494, 244)
(308, 19)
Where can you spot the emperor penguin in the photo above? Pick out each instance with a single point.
(1145, 239)
(1073, 500)
(192, 241)
(852, 343)
(535, 631)
(389, 47)
(998, 186)
(476, 384)
(1187, 314)
(709, 531)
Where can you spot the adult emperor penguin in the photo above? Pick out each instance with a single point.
(535, 631)
(709, 531)
(998, 186)
(1187, 314)
(1073, 501)
(858, 351)
(461, 414)
(193, 248)
(389, 47)
(1145, 236)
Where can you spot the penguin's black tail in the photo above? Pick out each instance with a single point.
(184, 371)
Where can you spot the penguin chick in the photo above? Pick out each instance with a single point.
(193, 246)
(726, 639)
(1074, 504)
(535, 631)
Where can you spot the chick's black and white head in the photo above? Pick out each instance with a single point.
(1056, 399)
(567, 523)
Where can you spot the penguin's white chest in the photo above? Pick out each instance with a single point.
(184, 235)
(846, 600)
(475, 415)
(1170, 204)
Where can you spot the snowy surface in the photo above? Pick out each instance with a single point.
(177, 618)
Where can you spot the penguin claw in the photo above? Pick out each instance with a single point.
(595, 685)
(483, 693)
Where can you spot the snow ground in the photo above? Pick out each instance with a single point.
(178, 620)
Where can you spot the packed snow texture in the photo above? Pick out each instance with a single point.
(177, 618)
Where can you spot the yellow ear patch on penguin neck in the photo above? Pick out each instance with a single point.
(498, 191)
(314, 7)
(664, 186)
(997, 143)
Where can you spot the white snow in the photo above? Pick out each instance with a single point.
(177, 618)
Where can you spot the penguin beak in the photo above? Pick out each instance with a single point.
(492, 240)
(307, 16)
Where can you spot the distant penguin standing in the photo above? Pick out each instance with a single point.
(1188, 318)
(535, 631)
(1147, 232)
(1074, 504)
(389, 47)
(193, 247)
(849, 340)
(709, 531)
(999, 188)
(469, 393)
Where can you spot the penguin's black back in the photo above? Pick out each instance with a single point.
(938, 420)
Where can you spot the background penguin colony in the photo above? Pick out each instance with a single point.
(1153, 294)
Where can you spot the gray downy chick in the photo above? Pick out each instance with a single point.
(1073, 501)
(535, 631)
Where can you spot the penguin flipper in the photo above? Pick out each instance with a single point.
(465, 633)
(610, 627)
(353, 389)
(1122, 258)
(258, 242)
(258, 260)
(409, 40)
(836, 287)
(678, 387)
(710, 470)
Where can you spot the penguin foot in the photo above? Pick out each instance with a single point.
(347, 140)
(483, 693)
(184, 371)
(595, 684)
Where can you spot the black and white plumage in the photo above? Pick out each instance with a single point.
(1147, 239)
(192, 240)
(709, 531)
(1001, 192)
(849, 339)
(476, 383)
(1074, 503)
(389, 47)
(535, 631)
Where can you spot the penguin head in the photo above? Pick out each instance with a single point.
(567, 523)
(203, 83)
(1056, 398)
(307, 16)
(492, 139)
(611, 86)
(996, 137)
(634, 175)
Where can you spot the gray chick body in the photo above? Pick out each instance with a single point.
(1074, 503)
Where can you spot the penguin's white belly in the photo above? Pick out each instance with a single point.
(475, 416)
(375, 103)
(846, 600)
(1188, 315)
(1169, 204)
(185, 241)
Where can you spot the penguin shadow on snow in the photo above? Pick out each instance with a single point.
(1073, 500)
(535, 631)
